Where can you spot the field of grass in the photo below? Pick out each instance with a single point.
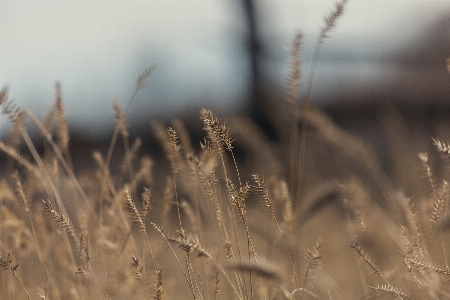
(312, 214)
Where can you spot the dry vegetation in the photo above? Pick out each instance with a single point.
(309, 216)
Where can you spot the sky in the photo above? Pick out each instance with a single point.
(96, 49)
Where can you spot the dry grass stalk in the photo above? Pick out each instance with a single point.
(3, 95)
(260, 187)
(388, 289)
(121, 124)
(263, 270)
(427, 165)
(440, 204)
(147, 201)
(14, 138)
(313, 258)
(141, 221)
(209, 184)
(218, 133)
(280, 193)
(173, 149)
(106, 185)
(122, 127)
(216, 285)
(294, 75)
(159, 291)
(6, 263)
(364, 257)
(167, 199)
(412, 251)
(63, 128)
(293, 97)
(140, 85)
(130, 155)
(291, 294)
(20, 190)
(443, 148)
(47, 181)
(50, 118)
(43, 296)
(361, 219)
(330, 20)
(25, 197)
(11, 152)
(184, 138)
(412, 218)
(238, 197)
(190, 243)
(161, 232)
(62, 221)
(445, 272)
(139, 275)
(63, 158)
(220, 138)
(143, 175)
(144, 76)
(14, 113)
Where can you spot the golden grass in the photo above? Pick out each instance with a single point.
(216, 225)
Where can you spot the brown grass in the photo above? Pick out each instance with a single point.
(215, 223)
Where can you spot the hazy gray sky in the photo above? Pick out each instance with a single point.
(97, 48)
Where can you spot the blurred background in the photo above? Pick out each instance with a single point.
(228, 55)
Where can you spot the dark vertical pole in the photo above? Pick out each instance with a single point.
(254, 48)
